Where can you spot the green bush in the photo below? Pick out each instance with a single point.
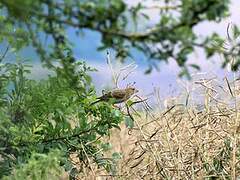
(40, 116)
(39, 166)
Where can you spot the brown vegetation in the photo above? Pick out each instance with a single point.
(184, 141)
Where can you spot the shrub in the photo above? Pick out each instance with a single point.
(51, 114)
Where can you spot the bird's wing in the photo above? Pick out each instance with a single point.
(105, 97)
(118, 94)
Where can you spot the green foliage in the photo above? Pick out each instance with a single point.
(55, 113)
(129, 122)
(228, 47)
(39, 166)
(216, 168)
(122, 27)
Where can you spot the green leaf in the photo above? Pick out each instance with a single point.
(116, 156)
(129, 122)
(129, 102)
(195, 66)
(106, 146)
(236, 32)
(116, 126)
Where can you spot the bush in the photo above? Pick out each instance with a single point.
(52, 114)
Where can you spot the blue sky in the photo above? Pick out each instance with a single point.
(166, 79)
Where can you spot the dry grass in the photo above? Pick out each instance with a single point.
(196, 135)
(189, 140)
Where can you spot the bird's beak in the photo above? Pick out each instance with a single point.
(136, 91)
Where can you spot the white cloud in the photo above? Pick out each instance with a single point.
(203, 29)
(166, 79)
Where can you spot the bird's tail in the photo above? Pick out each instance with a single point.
(95, 102)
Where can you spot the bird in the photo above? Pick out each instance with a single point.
(117, 96)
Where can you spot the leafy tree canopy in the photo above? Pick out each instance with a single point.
(171, 38)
